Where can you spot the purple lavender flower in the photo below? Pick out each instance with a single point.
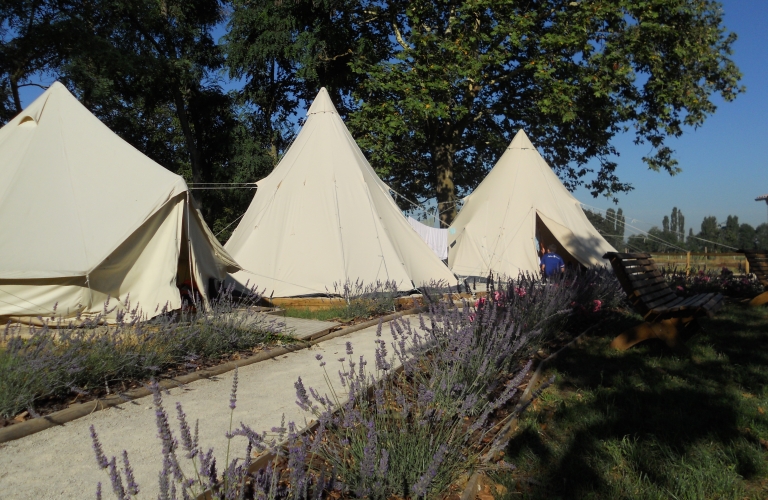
(383, 463)
(233, 394)
(101, 459)
(349, 348)
(422, 485)
(117, 481)
(302, 398)
(186, 435)
(133, 487)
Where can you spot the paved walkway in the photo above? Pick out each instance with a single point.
(59, 462)
(306, 329)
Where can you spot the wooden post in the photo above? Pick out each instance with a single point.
(746, 267)
(705, 258)
(688, 263)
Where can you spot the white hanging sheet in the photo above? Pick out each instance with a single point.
(436, 239)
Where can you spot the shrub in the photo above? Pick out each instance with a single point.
(404, 431)
(79, 357)
(366, 300)
(712, 281)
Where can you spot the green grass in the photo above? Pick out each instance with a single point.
(335, 313)
(647, 423)
(357, 308)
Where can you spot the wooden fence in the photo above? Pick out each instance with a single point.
(703, 260)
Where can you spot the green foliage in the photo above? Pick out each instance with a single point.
(31, 34)
(611, 226)
(462, 76)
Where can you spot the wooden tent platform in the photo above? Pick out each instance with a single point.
(323, 303)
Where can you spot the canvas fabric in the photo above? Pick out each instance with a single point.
(497, 227)
(84, 217)
(323, 217)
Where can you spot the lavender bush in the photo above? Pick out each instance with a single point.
(366, 300)
(406, 426)
(58, 359)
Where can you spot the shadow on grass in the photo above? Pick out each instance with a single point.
(647, 423)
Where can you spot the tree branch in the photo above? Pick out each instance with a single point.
(31, 85)
(326, 59)
(399, 37)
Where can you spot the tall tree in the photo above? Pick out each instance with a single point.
(620, 228)
(31, 36)
(286, 51)
(611, 227)
(151, 70)
(761, 234)
(673, 224)
(461, 76)
(710, 232)
(729, 234)
(681, 226)
(746, 237)
(153, 56)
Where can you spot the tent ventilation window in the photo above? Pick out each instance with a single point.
(27, 121)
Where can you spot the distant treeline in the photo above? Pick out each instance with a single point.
(671, 237)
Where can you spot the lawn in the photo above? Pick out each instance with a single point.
(331, 314)
(647, 423)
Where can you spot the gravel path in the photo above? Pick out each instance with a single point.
(59, 462)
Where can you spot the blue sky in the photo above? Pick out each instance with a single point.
(724, 162)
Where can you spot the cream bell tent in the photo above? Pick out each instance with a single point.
(323, 216)
(84, 216)
(520, 203)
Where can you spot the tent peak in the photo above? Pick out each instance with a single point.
(521, 141)
(31, 115)
(322, 103)
(57, 85)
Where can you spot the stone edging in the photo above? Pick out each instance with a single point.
(23, 429)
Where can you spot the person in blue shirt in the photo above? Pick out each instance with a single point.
(551, 263)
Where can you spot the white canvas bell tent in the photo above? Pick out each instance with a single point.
(84, 217)
(323, 216)
(520, 201)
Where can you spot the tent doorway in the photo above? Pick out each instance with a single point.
(188, 287)
(546, 238)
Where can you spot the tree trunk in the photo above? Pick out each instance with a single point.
(189, 137)
(445, 190)
(15, 92)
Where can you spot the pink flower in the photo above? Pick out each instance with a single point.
(480, 302)
(471, 317)
(520, 292)
(597, 305)
(679, 288)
